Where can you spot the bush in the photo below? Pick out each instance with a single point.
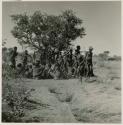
(14, 95)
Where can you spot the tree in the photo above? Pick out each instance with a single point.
(4, 42)
(104, 55)
(43, 30)
(106, 52)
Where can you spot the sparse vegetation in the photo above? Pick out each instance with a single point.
(92, 99)
(14, 95)
(79, 97)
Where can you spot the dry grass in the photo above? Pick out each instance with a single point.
(97, 100)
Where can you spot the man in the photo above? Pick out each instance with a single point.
(37, 70)
(19, 68)
(77, 51)
(53, 56)
(34, 57)
(70, 58)
(43, 56)
(25, 58)
(81, 65)
(29, 72)
(13, 57)
(89, 56)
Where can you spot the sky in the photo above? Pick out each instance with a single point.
(101, 20)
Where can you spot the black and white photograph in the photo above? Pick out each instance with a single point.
(61, 62)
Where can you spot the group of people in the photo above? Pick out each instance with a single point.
(54, 64)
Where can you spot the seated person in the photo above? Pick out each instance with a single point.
(19, 68)
(30, 72)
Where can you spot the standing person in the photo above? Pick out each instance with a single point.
(56, 52)
(75, 66)
(81, 67)
(25, 58)
(77, 51)
(89, 62)
(70, 57)
(44, 56)
(66, 68)
(35, 69)
(52, 56)
(13, 54)
(41, 55)
(34, 57)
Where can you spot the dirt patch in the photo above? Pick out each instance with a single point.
(94, 100)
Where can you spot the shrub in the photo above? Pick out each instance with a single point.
(14, 95)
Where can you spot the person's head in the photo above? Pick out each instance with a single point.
(71, 50)
(26, 52)
(37, 62)
(30, 66)
(81, 57)
(33, 63)
(19, 65)
(15, 48)
(60, 52)
(90, 48)
(49, 65)
(78, 47)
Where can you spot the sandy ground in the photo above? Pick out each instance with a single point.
(95, 100)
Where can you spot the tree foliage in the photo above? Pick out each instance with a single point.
(42, 30)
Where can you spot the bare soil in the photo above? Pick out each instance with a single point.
(94, 100)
